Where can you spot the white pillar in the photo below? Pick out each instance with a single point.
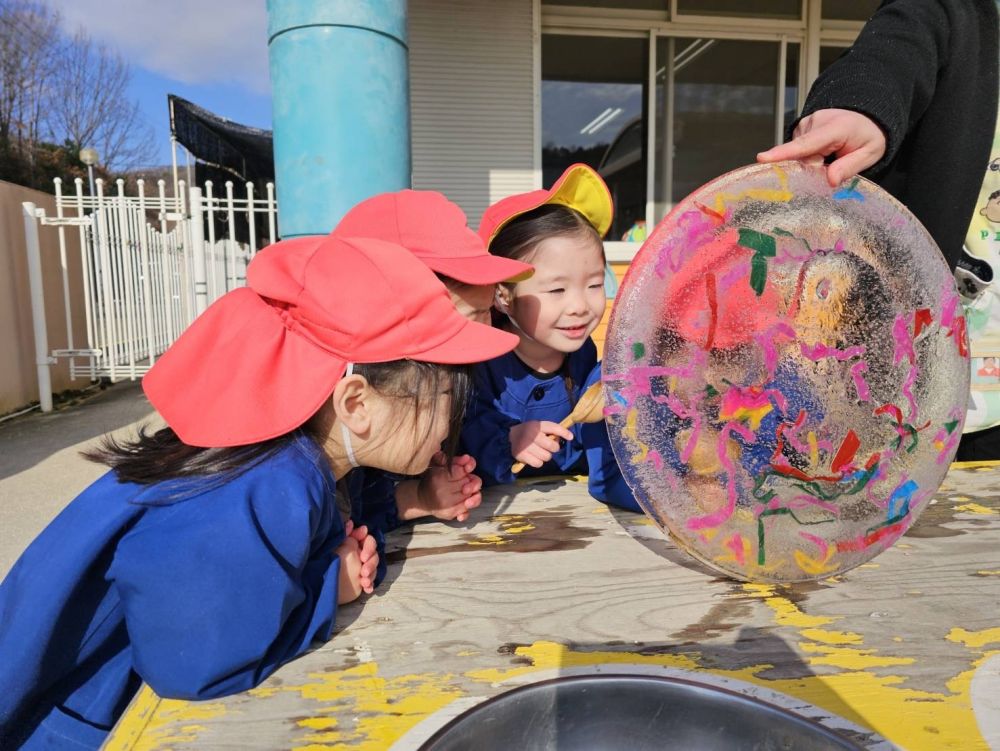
(197, 224)
(42, 359)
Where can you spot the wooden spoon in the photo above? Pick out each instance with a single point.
(590, 408)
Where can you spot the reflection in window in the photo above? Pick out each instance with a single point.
(661, 5)
(715, 109)
(746, 8)
(791, 86)
(593, 111)
(828, 55)
(849, 10)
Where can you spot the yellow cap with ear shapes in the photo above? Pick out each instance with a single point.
(579, 188)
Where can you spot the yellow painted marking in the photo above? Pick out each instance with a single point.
(914, 719)
(869, 565)
(785, 611)
(513, 524)
(813, 448)
(764, 194)
(490, 540)
(974, 639)
(988, 573)
(134, 721)
(891, 710)
(644, 521)
(975, 508)
(153, 723)
(385, 708)
(960, 498)
(546, 655)
(827, 636)
(851, 659)
(987, 464)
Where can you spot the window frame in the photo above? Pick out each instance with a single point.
(810, 31)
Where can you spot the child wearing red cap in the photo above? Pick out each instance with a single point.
(519, 398)
(214, 550)
(434, 229)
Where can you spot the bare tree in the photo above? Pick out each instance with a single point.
(29, 39)
(66, 90)
(89, 104)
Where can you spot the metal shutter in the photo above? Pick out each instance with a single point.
(472, 93)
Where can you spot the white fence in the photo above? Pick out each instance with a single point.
(151, 264)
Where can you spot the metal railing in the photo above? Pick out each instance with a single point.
(150, 265)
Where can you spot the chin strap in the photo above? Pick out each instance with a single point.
(345, 432)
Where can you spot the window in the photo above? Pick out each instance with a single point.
(784, 9)
(660, 5)
(849, 10)
(716, 107)
(593, 111)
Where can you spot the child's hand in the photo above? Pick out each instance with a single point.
(856, 140)
(358, 564)
(443, 492)
(534, 442)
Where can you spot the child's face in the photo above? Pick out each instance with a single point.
(563, 302)
(473, 302)
(412, 436)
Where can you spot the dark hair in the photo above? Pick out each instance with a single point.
(159, 456)
(518, 238)
(422, 382)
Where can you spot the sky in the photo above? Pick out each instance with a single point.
(211, 52)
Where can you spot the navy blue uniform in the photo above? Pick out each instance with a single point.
(199, 587)
(508, 392)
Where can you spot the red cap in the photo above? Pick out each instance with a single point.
(434, 229)
(710, 302)
(579, 187)
(263, 359)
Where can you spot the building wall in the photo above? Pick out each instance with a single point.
(472, 93)
(18, 380)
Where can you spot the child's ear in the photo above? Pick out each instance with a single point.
(352, 403)
(501, 298)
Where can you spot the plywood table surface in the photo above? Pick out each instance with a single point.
(544, 581)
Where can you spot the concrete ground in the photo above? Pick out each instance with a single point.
(41, 469)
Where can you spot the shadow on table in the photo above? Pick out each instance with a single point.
(552, 527)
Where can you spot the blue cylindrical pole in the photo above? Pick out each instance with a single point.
(340, 93)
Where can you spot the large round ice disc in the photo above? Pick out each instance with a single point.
(786, 373)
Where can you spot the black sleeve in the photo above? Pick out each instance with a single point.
(890, 72)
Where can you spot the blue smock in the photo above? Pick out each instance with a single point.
(507, 392)
(199, 587)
